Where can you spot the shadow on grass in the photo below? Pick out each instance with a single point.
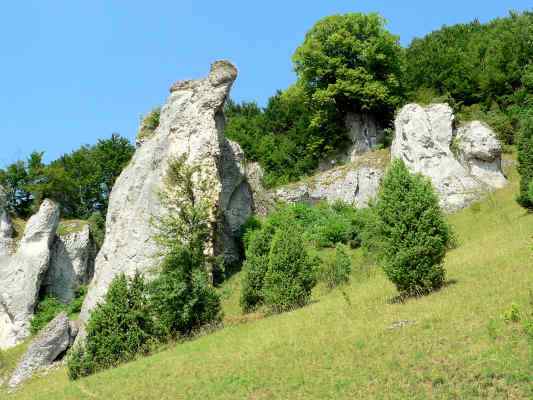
(404, 297)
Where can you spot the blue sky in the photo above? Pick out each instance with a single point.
(73, 71)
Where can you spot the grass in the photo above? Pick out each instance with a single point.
(69, 226)
(349, 344)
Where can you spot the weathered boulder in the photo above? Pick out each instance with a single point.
(191, 123)
(423, 140)
(6, 229)
(480, 151)
(71, 264)
(21, 278)
(262, 198)
(354, 183)
(364, 133)
(51, 342)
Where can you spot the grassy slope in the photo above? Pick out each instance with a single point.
(340, 345)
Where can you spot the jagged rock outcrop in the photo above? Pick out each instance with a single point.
(364, 133)
(480, 152)
(21, 277)
(6, 229)
(424, 139)
(71, 264)
(51, 342)
(191, 123)
(354, 183)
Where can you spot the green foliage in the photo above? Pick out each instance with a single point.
(337, 272)
(352, 62)
(46, 310)
(487, 66)
(322, 225)
(149, 124)
(80, 181)
(412, 235)
(181, 296)
(347, 63)
(119, 329)
(49, 307)
(525, 161)
(97, 226)
(291, 272)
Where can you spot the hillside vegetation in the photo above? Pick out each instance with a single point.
(358, 341)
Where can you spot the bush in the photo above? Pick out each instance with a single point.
(411, 233)
(254, 268)
(337, 271)
(49, 307)
(291, 272)
(119, 329)
(46, 310)
(525, 161)
(181, 297)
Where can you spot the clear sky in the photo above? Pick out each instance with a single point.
(73, 71)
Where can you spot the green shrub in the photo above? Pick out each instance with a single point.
(254, 267)
(46, 310)
(525, 161)
(119, 329)
(291, 272)
(337, 271)
(97, 226)
(412, 235)
(149, 124)
(181, 296)
(49, 307)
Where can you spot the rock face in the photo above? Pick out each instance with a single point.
(262, 199)
(71, 264)
(354, 183)
(6, 229)
(424, 138)
(191, 123)
(480, 152)
(364, 134)
(20, 279)
(53, 341)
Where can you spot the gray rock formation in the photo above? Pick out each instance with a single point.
(354, 183)
(424, 138)
(21, 278)
(6, 229)
(480, 151)
(71, 264)
(262, 199)
(364, 134)
(51, 342)
(191, 123)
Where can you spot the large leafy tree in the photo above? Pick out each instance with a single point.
(351, 62)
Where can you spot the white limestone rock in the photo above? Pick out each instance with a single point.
(51, 342)
(423, 140)
(191, 124)
(6, 229)
(480, 151)
(354, 183)
(262, 198)
(71, 264)
(21, 278)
